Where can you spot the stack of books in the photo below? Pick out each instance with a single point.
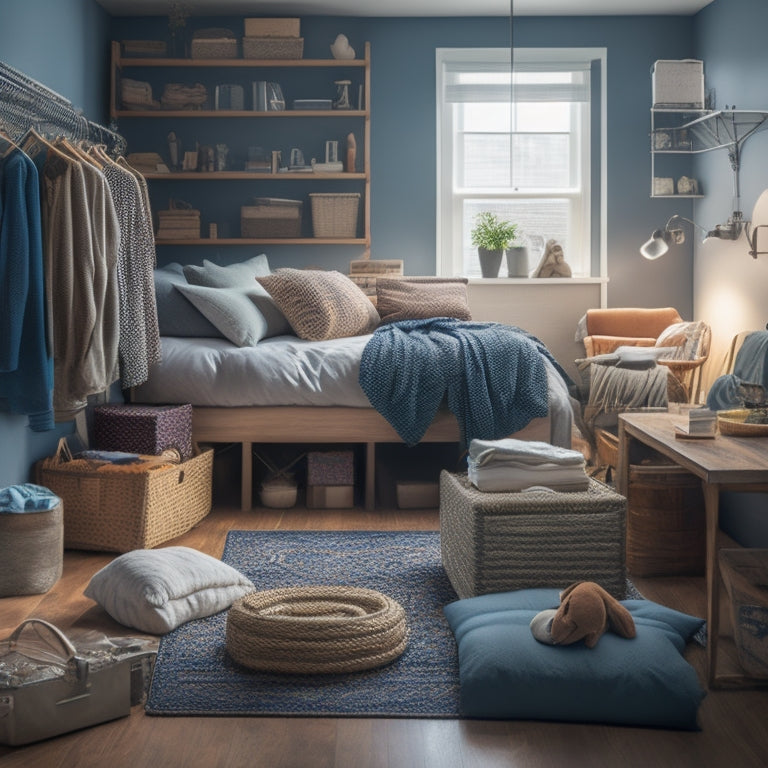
(178, 224)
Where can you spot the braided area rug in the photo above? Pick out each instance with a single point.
(194, 675)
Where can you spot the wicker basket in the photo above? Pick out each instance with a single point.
(733, 423)
(273, 47)
(271, 217)
(31, 551)
(745, 573)
(221, 48)
(115, 511)
(334, 214)
(666, 533)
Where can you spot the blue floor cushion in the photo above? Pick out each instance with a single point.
(507, 674)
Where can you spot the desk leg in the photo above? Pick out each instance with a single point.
(711, 507)
(622, 470)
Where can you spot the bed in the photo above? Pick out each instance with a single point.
(289, 389)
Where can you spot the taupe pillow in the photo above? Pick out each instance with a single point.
(321, 304)
(418, 298)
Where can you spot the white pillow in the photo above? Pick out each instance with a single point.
(156, 590)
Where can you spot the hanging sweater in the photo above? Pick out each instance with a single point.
(26, 365)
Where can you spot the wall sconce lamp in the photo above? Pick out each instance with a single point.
(661, 239)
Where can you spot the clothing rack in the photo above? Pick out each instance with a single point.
(26, 103)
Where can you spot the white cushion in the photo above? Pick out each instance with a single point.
(156, 590)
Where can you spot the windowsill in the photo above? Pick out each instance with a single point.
(538, 280)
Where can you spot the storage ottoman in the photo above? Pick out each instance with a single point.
(147, 429)
(498, 542)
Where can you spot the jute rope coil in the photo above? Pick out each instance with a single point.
(309, 630)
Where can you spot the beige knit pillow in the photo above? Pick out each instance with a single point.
(320, 304)
(418, 298)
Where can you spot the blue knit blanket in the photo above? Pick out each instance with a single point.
(493, 376)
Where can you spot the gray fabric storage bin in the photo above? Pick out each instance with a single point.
(498, 542)
(31, 551)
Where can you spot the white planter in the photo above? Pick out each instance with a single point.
(517, 261)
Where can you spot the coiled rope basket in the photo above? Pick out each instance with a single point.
(311, 630)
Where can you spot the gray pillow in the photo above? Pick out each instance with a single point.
(239, 275)
(156, 590)
(175, 315)
(245, 316)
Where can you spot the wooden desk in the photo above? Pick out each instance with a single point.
(723, 464)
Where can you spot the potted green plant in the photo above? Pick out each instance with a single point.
(491, 236)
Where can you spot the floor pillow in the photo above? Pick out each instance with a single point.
(506, 674)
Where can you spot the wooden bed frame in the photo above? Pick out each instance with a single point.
(319, 424)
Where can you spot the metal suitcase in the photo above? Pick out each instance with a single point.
(48, 687)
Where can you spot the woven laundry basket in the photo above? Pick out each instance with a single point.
(114, 511)
(496, 542)
(31, 551)
(316, 630)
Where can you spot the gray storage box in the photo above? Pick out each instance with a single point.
(678, 84)
(497, 542)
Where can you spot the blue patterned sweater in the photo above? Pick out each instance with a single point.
(493, 376)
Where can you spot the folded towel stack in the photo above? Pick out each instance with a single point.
(514, 465)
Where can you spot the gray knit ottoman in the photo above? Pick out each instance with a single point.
(498, 542)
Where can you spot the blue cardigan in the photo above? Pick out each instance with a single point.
(26, 362)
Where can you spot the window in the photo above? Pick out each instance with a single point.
(534, 159)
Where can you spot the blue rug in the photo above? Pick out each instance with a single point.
(195, 676)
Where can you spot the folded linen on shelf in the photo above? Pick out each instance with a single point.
(513, 465)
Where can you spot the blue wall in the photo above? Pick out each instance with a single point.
(64, 45)
(730, 37)
(34, 32)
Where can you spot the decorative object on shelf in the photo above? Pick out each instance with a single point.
(517, 261)
(331, 151)
(229, 97)
(553, 263)
(174, 150)
(214, 43)
(136, 94)
(687, 186)
(177, 25)
(312, 104)
(277, 160)
(342, 94)
(351, 153)
(267, 97)
(257, 161)
(491, 236)
(222, 150)
(663, 185)
(662, 140)
(341, 49)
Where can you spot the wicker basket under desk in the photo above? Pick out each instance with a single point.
(122, 511)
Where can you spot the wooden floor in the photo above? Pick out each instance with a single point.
(734, 723)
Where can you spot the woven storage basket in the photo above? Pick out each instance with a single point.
(316, 630)
(497, 542)
(121, 511)
(745, 574)
(334, 214)
(213, 49)
(733, 423)
(31, 551)
(273, 47)
(666, 533)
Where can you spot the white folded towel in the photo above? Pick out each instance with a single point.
(523, 453)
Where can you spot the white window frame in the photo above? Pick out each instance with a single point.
(449, 252)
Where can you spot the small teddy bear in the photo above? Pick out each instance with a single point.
(586, 611)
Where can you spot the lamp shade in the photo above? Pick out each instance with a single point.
(657, 245)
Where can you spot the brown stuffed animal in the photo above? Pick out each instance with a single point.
(586, 611)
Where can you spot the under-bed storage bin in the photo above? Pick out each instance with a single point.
(121, 510)
(498, 542)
